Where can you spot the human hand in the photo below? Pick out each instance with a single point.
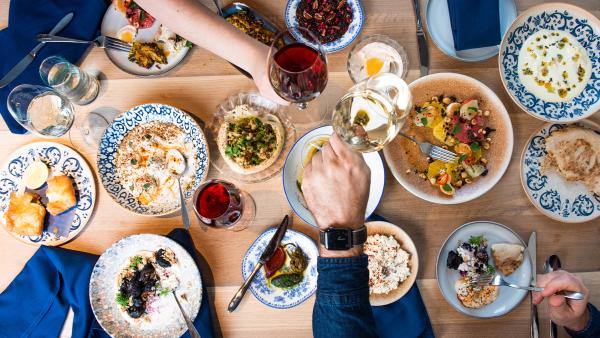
(261, 79)
(572, 314)
(336, 186)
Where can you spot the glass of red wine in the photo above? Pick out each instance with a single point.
(221, 204)
(298, 72)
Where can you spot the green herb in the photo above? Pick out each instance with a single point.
(133, 161)
(142, 15)
(457, 129)
(475, 146)
(462, 158)
(135, 261)
(472, 109)
(122, 300)
(447, 187)
(133, 5)
(164, 291)
(490, 270)
(476, 240)
(188, 44)
(424, 121)
(287, 281)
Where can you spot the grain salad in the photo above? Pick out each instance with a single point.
(388, 263)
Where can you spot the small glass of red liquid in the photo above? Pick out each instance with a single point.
(221, 204)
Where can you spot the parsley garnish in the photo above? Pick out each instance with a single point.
(472, 109)
(133, 161)
(146, 186)
(122, 300)
(135, 261)
(188, 44)
(457, 129)
(475, 146)
(476, 240)
(491, 270)
(447, 187)
(424, 121)
(462, 158)
(164, 291)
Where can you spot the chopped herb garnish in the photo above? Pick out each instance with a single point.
(122, 300)
(147, 136)
(164, 291)
(424, 121)
(188, 44)
(462, 158)
(447, 187)
(476, 240)
(135, 261)
(133, 161)
(147, 186)
(475, 146)
(457, 129)
(490, 270)
(472, 109)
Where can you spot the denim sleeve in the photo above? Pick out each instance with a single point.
(342, 308)
(592, 328)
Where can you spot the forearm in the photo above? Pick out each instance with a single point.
(342, 308)
(592, 328)
(195, 22)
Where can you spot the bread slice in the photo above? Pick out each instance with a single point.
(507, 257)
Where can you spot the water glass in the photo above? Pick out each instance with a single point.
(41, 110)
(69, 80)
(221, 204)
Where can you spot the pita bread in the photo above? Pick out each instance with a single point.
(507, 257)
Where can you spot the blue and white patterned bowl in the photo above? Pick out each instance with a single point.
(114, 134)
(569, 202)
(358, 20)
(552, 16)
(60, 159)
(274, 297)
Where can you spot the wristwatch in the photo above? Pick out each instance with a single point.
(342, 238)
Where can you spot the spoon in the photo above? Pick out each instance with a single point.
(176, 165)
(191, 328)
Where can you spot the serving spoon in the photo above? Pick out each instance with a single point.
(191, 328)
(177, 165)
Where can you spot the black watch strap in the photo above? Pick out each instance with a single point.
(342, 238)
(359, 236)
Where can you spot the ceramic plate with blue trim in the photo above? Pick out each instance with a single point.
(60, 159)
(550, 193)
(358, 20)
(269, 294)
(126, 122)
(582, 26)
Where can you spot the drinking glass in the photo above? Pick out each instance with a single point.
(221, 204)
(66, 78)
(372, 112)
(298, 72)
(41, 110)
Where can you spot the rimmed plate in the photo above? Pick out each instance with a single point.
(508, 298)
(113, 21)
(274, 297)
(264, 107)
(103, 288)
(60, 159)
(437, 20)
(548, 191)
(385, 228)
(583, 26)
(358, 19)
(294, 161)
(402, 155)
(114, 134)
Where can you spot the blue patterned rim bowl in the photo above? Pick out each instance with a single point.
(585, 27)
(272, 296)
(136, 116)
(358, 20)
(60, 159)
(552, 195)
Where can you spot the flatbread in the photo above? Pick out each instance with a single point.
(507, 257)
(472, 298)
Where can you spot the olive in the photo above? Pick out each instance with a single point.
(135, 312)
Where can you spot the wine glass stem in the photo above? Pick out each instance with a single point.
(302, 105)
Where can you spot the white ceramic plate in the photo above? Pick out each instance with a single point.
(115, 20)
(508, 298)
(272, 296)
(439, 28)
(294, 161)
(549, 192)
(60, 159)
(103, 288)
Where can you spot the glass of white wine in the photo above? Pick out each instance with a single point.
(372, 112)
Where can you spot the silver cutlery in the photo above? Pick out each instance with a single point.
(497, 280)
(552, 264)
(264, 258)
(101, 41)
(177, 166)
(421, 41)
(219, 10)
(26, 61)
(435, 152)
(191, 328)
(532, 250)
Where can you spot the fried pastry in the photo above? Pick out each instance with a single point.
(507, 257)
(25, 215)
(61, 195)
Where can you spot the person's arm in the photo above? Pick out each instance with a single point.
(336, 188)
(580, 319)
(195, 22)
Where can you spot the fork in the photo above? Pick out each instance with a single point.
(101, 41)
(435, 152)
(497, 280)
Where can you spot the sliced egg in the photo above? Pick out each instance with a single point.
(127, 33)
(175, 162)
(35, 175)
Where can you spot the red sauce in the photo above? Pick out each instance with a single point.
(213, 201)
(275, 263)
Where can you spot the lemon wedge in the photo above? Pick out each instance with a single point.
(35, 175)
(373, 66)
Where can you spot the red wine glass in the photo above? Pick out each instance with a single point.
(221, 204)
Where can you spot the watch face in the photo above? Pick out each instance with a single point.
(338, 239)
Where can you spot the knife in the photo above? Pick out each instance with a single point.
(421, 41)
(552, 264)
(264, 258)
(26, 61)
(531, 248)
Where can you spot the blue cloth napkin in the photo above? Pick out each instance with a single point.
(405, 318)
(475, 23)
(26, 19)
(36, 303)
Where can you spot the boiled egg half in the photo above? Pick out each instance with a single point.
(127, 33)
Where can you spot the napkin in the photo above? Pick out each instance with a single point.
(37, 301)
(475, 23)
(26, 19)
(406, 317)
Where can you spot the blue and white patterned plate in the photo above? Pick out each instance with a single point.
(274, 297)
(114, 134)
(569, 202)
(553, 16)
(358, 20)
(60, 159)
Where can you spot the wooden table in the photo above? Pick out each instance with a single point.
(204, 80)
